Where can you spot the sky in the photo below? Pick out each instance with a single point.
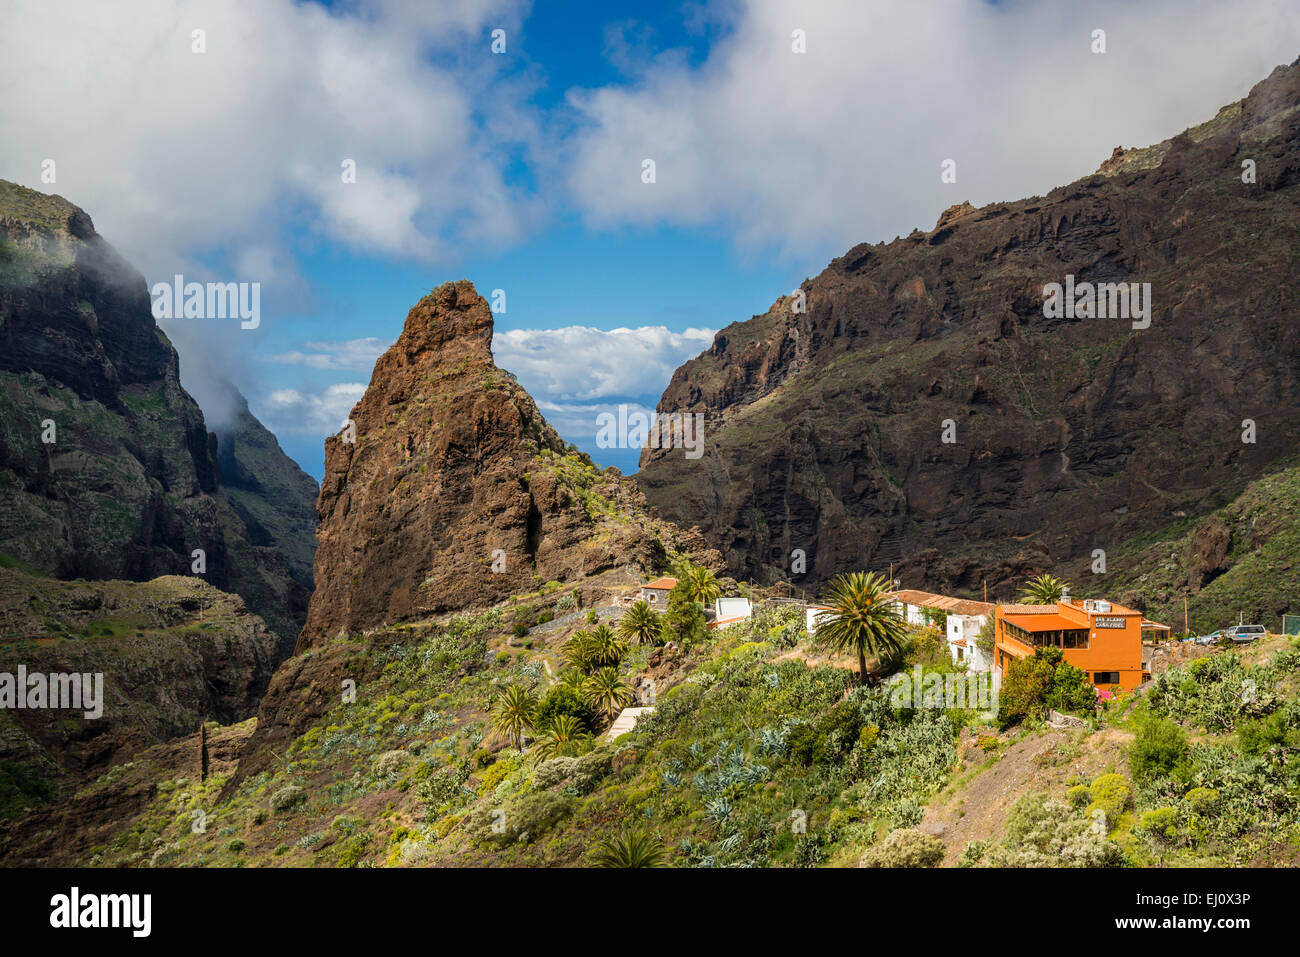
(782, 133)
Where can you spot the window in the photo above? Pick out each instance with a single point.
(1106, 678)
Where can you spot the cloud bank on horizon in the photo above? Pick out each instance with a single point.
(229, 162)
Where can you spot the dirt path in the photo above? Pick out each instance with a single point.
(976, 809)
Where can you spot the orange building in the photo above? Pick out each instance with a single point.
(1098, 637)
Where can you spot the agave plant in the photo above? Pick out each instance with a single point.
(862, 619)
(1043, 590)
(565, 737)
(641, 625)
(512, 712)
(629, 849)
(606, 690)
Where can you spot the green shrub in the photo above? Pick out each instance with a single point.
(1159, 750)
(1044, 680)
(906, 847)
(1079, 796)
(1160, 823)
(1044, 833)
(287, 797)
(563, 699)
(1112, 796)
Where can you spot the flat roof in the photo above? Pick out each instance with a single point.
(1045, 623)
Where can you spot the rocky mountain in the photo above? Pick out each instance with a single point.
(107, 470)
(916, 404)
(452, 492)
(171, 653)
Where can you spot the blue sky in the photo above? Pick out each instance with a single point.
(783, 133)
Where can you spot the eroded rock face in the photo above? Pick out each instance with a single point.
(456, 493)
(824, 428)
(128, 483)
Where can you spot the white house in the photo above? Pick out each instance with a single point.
(965, 618)
(728, 611)
(811, 615)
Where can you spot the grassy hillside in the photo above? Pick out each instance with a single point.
(762, 753)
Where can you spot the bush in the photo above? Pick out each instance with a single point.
(562, 699)
(1046, 833)
(287, 797)
(1045, 680)
(1079, 796)
(1112, 796)
(1158, 751)
(390, 762)
(906, 847)
(1161, 824)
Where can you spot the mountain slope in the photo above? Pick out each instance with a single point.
(825, 429)
(106, 467)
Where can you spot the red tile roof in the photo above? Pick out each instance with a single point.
(662, 584)
(958, 606)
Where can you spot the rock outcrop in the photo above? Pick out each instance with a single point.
(107, 469)
(450, 490)
(923, 410)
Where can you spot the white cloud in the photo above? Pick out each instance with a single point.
(175, 152)
(302, 412)
(354, 355)
(844, 143)
(582, 363)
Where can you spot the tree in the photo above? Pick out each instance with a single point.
(1043, 680)
(1043, 590)
(607, 690)
(684, 621)
(629, 849)
(700, 585)
(578, 651)
(565, 698)
(513, 712)
(566, 736)
(862, 619)
(607, 650)
(641, 625)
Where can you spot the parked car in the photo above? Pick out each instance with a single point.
(1213, 638)
(1244, 633)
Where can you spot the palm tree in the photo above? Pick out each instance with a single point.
(640, 625)
(512, 712)
(862, 618)
(700, 585)
(1043, 590)
(629, 849)
(565, 736)
(578, 651)
(607, 650)
(607, 690)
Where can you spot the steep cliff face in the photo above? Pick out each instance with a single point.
(106, 467)
(825, 428)
(171, 653)
(456, 493)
